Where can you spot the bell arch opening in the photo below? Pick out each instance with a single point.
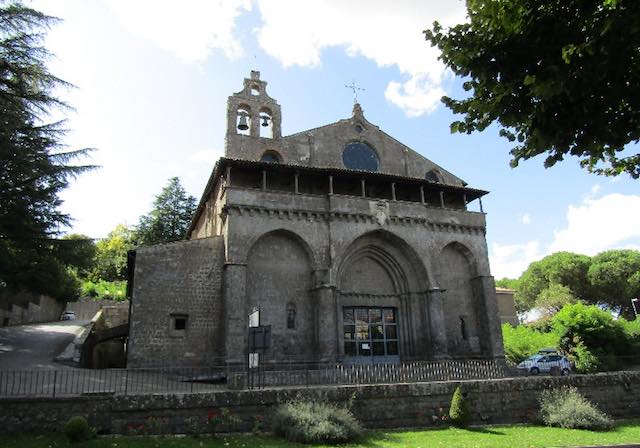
(243, 120)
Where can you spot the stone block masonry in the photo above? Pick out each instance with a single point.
(377, 406)
(176, 307)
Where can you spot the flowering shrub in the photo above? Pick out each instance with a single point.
(222, 416)
(258, 424)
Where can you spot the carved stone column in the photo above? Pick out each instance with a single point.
(234, 298)
(437, 323)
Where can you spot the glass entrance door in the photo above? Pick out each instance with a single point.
(370, 334)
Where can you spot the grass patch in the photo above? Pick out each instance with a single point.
(486, 437)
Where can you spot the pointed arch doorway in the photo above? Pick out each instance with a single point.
(379, 296)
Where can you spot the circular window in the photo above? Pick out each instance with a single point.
(360, 156)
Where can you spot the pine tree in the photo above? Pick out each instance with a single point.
(34, 166)
(170, 217)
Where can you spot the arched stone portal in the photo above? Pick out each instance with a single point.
(381, 301)
(279, 283)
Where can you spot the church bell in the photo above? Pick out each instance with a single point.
(242, 124)
(265, 121)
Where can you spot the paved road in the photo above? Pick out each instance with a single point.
(31, 347)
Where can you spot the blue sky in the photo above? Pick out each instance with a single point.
(153, 77)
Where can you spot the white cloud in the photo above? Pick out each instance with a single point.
(595, 189)
(389, 33)
(600, 224)
(593, 226)
(417, 96)
(296, 33)
(190, 28)
(510, 260)
(525, 218)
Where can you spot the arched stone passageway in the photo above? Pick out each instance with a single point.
(279, 273)
(381, 301)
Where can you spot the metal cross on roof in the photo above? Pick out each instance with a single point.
(354, 87)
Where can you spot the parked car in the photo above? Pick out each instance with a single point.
(542, 362)
(68, 315)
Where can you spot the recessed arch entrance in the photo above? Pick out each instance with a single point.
(279, 280)
(381, 288)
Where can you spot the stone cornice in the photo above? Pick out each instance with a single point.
(294, 214)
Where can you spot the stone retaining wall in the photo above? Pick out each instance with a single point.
(377, 406)
(85, 307)
(27, 308)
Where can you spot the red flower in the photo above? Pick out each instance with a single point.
(211, 415)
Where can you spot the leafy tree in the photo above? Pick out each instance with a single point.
(593, 331)
(170, 217)
(111, 254)
(523, 341)
(77, 251)
(34, 167)
(561, 268)
(615, 278)
(507, 283)
(557, 75)
(554, 297)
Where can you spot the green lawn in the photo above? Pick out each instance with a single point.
(490, 437)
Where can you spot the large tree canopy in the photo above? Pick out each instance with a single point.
(543, 276)
(615, 278)
(609, 279)
(560, 76)
(169, 220)
(34, 167)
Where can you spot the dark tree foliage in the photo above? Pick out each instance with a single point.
(77, 251)
(615, 278)
(561, 268)
(169, 220)
(560, 76)
(34, 167)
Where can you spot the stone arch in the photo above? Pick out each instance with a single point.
(266, 122)
(279, 278)
(271, 156)
(379, 271)
(243, 118)
(434, 175)
(290, 234)
(398, 259)
(463, 305)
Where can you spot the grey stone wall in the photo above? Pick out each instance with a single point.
(183, 280)
(85, 307)
(27, 308)
(321, 146)
(334, 229)
(377, 406)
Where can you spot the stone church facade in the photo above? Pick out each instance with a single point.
(353, 247)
